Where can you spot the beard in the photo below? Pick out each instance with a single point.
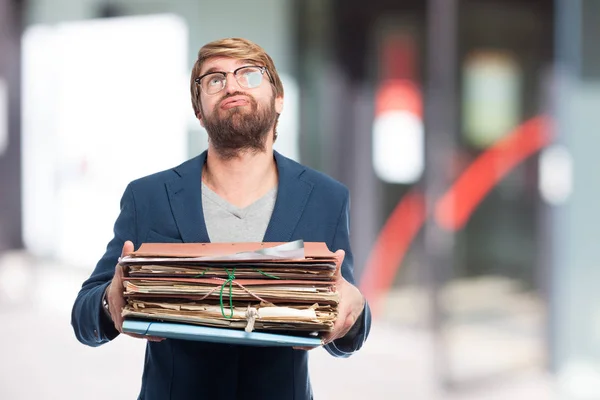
(240, 128)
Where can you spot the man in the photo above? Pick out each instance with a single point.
(239, 190)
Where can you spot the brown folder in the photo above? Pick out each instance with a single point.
(312, 250)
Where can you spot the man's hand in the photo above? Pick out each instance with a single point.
(115, 299)
(351, 303)
(350, 306)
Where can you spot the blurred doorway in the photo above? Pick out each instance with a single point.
(363, 77)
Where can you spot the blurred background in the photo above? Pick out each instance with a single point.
(466, 131)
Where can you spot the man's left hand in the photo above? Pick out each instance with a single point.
(351, 305)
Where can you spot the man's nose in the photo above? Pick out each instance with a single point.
(231, 84)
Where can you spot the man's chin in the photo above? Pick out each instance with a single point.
(237, 110)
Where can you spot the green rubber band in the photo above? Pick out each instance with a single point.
(265, 274)
(230, 278)
(202, 274)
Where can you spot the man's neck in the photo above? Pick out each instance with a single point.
(243, 179)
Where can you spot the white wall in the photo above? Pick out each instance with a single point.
(269, 23)
(62, 204)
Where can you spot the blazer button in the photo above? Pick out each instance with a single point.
(96, 334)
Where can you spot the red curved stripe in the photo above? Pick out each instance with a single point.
(391, 246)
(452, 211)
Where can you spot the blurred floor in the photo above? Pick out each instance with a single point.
(40, 357)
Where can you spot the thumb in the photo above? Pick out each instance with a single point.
(127, 248)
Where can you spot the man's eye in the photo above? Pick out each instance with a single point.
(214, 81)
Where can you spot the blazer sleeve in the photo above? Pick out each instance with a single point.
(90, 323)
(346, 346)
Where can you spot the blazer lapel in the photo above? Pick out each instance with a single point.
(292, 195)
(185, 196)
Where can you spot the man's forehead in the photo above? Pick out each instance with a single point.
(223, 64)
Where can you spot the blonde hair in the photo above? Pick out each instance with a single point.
(238, 48)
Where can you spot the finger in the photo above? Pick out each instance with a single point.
(328, 338)
(119, 271)
(116, 302)
(135, 335)
(115, 295)
(348, 323)
(127, 248)
(331, 336)
(304, 348)
(342, 311)
(116, 289)
(115, 312)
(150, 338)
(339, 255)
(338, 324)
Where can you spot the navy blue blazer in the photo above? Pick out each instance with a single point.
(167, 207)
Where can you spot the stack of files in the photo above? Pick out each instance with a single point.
(260, 293)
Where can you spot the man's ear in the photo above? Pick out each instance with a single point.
(279, 104)
(199, 116)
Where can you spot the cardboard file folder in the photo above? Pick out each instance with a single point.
(232, 291)
(216, 335)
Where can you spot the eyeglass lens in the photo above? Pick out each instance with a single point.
(248, 77)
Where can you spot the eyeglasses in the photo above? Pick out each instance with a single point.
(248, 77)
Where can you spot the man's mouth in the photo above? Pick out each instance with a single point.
(236, 101)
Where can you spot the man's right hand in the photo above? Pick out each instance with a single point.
(115, 299)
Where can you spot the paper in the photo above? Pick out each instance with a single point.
(275, 287)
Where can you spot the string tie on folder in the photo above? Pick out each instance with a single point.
(265, 274)
(147, 328)
(230, 280)
(203, 273)
(251, 315)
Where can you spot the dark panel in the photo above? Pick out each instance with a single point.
(590, 51)
(441, 130)
(10, 159)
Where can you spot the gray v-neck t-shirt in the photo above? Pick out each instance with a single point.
(228, 223)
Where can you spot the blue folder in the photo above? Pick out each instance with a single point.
(216, 335)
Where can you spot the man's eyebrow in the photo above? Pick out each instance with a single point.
(210, 70)
(247, 63)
